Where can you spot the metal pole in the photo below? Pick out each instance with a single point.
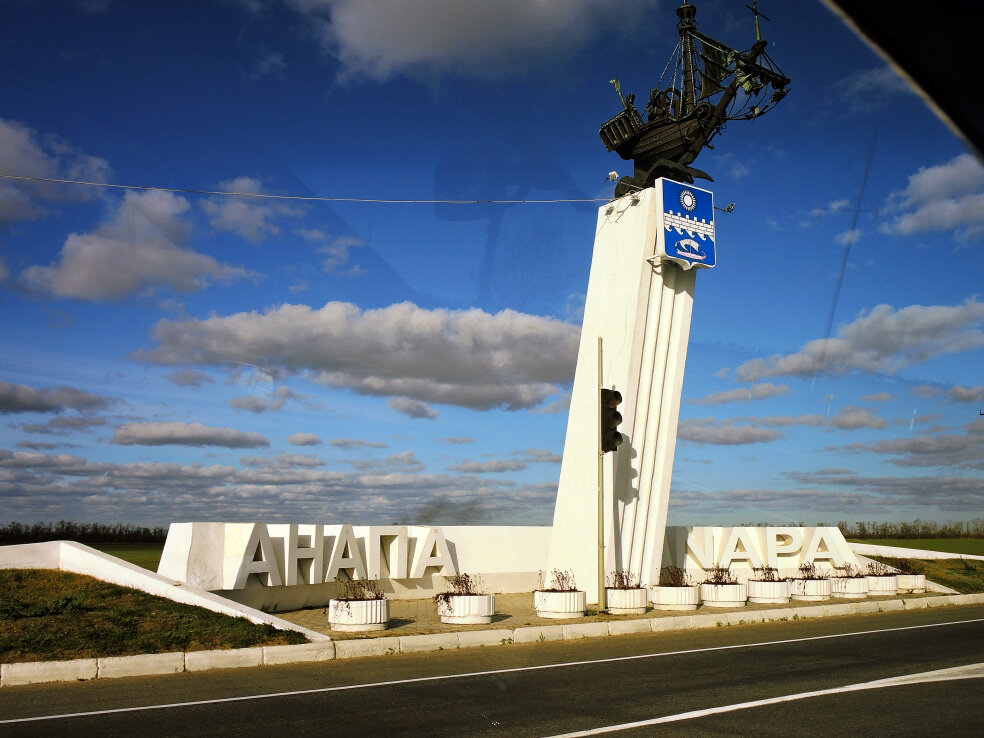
(602, 599)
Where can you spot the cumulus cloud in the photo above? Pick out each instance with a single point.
(946, 197)
(275, 400)
(487, 467)
(882, 340)
(708, 431)
(877, 397)
(745, 394)
(964, 450)
(966, 394)
(139, 246)
(250, 217)
(185, 434)
(457, 440)
(20, 398)
(303, 439)
(64, 425)
(71, 487)
(405, 461)
(282, 461)
(427, 37)
(927, 391)
(834, 206)
(850, 418)
(336, 252)
(355, 443)
(189, 378)
(25, 152)
(468, 358)
(869, 90)
(414, 408)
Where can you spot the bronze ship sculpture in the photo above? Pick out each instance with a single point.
(710, 85)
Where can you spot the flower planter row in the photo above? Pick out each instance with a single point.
(368, 615)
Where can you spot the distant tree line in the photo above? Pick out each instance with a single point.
(916, 529)
(67, 530)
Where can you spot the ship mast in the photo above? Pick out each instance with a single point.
(687, 14)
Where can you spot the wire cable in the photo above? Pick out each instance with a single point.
(313, 198)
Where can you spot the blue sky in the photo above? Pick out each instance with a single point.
(169, 356)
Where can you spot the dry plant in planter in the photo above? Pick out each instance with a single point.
(721, 589)
(767, 588)
(908, 578)
(624, 593)
(811, 585)
(851, 585)
(466, 602)
(361, 607)
(562, 599)
(881, 580)
(676, 590)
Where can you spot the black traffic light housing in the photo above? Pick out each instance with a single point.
(610, 418)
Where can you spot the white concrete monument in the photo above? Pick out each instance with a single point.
(648, 246)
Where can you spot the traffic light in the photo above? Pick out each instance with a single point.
(610, 418)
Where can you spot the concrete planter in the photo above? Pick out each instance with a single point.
(851, 588)
(560, 604)
(810, 590)
(879, 586)
(723, 595)
(676, 598)
(761, 592)
(915, 583)
(358, 615)
(467, 609)
(627, 601)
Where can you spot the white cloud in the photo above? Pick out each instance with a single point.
(251, 217)
(185, 434)
(488, 467)
(413, 408)
(926, 391)
(878, 397)
(20, 398)
(457, 440)
(834, 206)
(274, 400)
(761, 391)
(708, 431)
(336, 251)
(189, 378)
(468, 358)
(882, 340)
(303, 439)
(849, 237)
(282, 461)
(966, 394)
(484, 39)
(26, 153)
(141, 245)
(355, 443)
(868, 90)
(945, 450)
(946, 197)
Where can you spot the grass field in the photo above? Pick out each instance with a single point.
(963, 575)
(971, 546)
(49, 615)
(147, 555)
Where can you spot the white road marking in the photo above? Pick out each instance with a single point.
(445, 677)
(972, 671)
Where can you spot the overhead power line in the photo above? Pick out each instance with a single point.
(312, 198)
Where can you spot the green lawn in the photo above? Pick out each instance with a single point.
(972, 546)
(49, 615)
(963, 575)
(147, 555)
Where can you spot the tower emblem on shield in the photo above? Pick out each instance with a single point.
(687, 235)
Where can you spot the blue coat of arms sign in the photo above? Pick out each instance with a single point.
(687, 235)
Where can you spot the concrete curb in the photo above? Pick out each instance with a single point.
(36, 672)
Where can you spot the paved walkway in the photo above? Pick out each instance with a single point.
(419, 617)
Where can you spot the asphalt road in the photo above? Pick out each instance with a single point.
(554, 688)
